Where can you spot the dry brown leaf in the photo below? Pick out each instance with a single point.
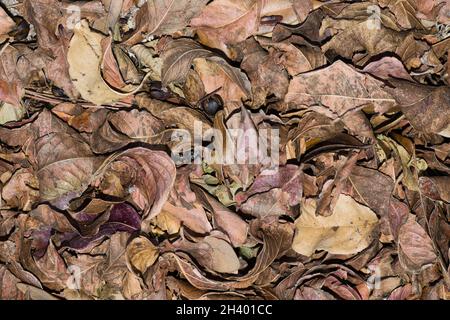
(415, 247)
(425, 107)
(229, 82)
(337, 90)
(223, 23)
(149, 176)
(161, 13)
(177, 58)
(436, 188)
(66, 166)
(6, 23)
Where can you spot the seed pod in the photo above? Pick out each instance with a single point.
(212, 104)
(158, 92)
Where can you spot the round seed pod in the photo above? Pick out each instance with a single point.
(212, 104)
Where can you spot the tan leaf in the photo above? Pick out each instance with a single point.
(193, 218)
(225, 22)
(166, 222)
(296, 58)
(347, 231)
(142, 254)
(225, 219)
(216, 74)
(124, 127)
(405, 12)
(85, 57)
(66, 166)
(223, 258)
(21, 191)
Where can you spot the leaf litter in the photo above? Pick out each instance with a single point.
(107, 193)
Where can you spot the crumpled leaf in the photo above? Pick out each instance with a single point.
(435, 188)
(177, 57)
(224, 219)
(227, 81)
(22, 190)
(425, 107)
(149, 175)
(224, 149)
(226, 22)
(122, 128)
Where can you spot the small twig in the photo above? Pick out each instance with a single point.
(4, 47)
(51, 99)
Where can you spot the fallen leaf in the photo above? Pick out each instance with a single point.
(347, 230)
(6, 23)
(349, 91)
(85, 57)
(223, 23)
(415, 246)
(141, 253)
(161, 13)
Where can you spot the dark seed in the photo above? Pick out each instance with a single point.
(158, 92)
(212, 104)
(271, 20)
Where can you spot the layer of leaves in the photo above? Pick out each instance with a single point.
(103, 194)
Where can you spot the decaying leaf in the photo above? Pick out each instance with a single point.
(224, 149)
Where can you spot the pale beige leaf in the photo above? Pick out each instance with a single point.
(85, 56)
(347, 231)
(8, 112)
(223, 258)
